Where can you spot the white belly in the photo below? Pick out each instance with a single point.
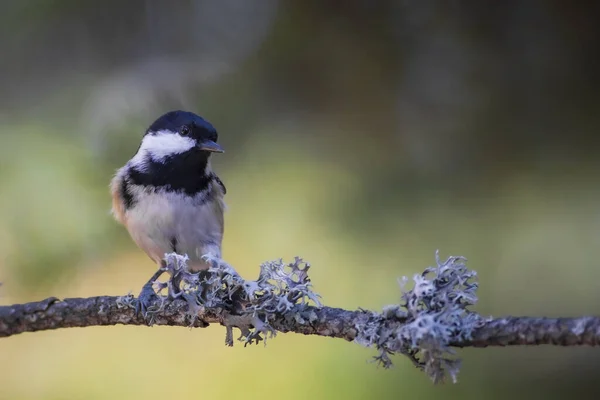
(165, 222)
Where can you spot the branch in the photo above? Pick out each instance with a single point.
(432, 317)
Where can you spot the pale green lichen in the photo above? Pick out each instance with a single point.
(431, 315)
(127, 301)
(245, 304)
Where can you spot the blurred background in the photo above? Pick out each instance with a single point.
(361, 135)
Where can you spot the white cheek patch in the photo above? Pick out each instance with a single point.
(162, 144)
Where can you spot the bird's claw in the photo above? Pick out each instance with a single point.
(174, 286)
(144, 301)
(160, 286)
(147, 296)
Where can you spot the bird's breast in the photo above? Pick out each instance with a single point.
(162, 222)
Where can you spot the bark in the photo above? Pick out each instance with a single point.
(53, 313)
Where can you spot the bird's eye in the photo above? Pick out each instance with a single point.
(185, 130)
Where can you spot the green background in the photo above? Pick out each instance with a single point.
(360, 135)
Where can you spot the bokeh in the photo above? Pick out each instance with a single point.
(361, 135)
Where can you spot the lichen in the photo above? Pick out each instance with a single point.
(127, 301)
(430, 316)
(281, 289)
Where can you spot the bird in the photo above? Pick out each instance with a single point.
(168, 197)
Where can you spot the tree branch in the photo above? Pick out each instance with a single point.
(432, 318)
(53, 313)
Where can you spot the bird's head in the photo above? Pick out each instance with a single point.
(178, 133)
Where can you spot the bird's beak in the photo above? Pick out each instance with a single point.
(211, 146)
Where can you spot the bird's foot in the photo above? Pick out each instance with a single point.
(174, 286)
(147, 296)
(145, 299)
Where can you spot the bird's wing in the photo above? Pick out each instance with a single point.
(118, 190)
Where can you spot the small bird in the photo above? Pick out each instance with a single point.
(167, 195)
